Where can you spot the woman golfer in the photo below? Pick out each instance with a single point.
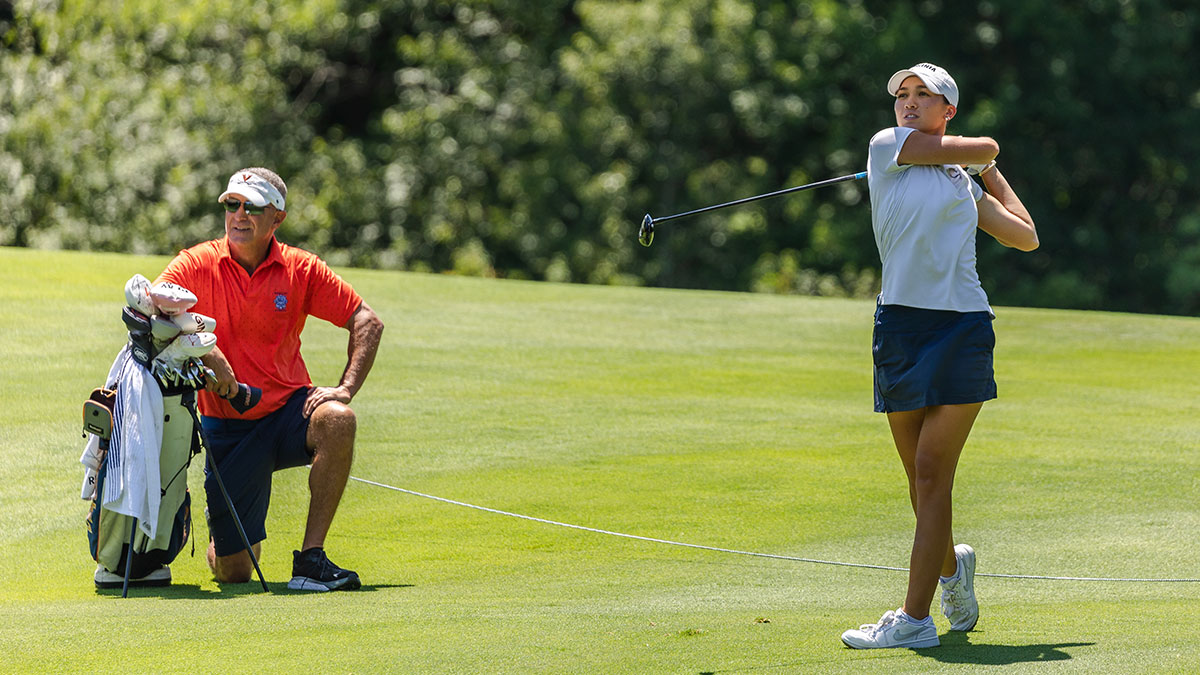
(933, 335)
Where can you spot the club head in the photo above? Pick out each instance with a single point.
(646, 232)
(159, 375)
(195, 373)
(163, 375)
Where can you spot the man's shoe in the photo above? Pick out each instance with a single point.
(958, 596)
(106, 579)
(893, 630)
(312, 570)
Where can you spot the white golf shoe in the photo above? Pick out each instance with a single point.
(157, 577)
(895, 629)
(958, 595)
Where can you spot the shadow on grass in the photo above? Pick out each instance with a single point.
(958, 648)
(227, 591)
(955, 648)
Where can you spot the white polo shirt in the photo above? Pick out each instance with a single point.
(925, 219)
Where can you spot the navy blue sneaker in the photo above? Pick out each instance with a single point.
(312, 570)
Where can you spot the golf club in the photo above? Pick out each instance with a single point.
(246, 397)
(646, 232)
(189, 403)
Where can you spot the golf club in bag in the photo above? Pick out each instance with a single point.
(646, 232)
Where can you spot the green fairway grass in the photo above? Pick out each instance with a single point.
(729, 420)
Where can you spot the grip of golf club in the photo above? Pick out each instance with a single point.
(246, 397)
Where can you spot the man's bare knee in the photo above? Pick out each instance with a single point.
(226, 575)
(332, 427)
(233, 569)
(335, 417)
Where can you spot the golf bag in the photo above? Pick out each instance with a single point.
(110, 534)
(157, 373)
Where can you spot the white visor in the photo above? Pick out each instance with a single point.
(253, 187)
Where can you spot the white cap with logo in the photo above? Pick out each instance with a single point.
(935, 78)
(253, 187)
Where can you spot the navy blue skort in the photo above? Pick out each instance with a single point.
(247, 453)
(927, 357)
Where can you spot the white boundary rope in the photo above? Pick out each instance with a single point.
(737, 552)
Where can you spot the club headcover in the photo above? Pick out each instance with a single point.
(137, 294)
(191, 322)
(163, 330)
(171, 299)
(185, 347)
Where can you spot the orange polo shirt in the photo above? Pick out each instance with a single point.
(260, 316)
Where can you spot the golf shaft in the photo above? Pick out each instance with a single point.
(747, 200)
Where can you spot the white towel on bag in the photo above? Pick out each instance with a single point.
(131, 485)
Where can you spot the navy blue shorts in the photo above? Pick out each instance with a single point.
(927, 357)
(247, 452)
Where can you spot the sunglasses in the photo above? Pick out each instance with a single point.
(232, 205)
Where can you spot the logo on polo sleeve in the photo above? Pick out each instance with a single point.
(956, 175)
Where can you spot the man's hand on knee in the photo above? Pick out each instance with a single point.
(331, 430)
(319, 396)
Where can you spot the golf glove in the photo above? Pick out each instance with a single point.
(980, 169)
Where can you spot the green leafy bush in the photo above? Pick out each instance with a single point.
(526, 140)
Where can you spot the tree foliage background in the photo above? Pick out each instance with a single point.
(527, 139)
